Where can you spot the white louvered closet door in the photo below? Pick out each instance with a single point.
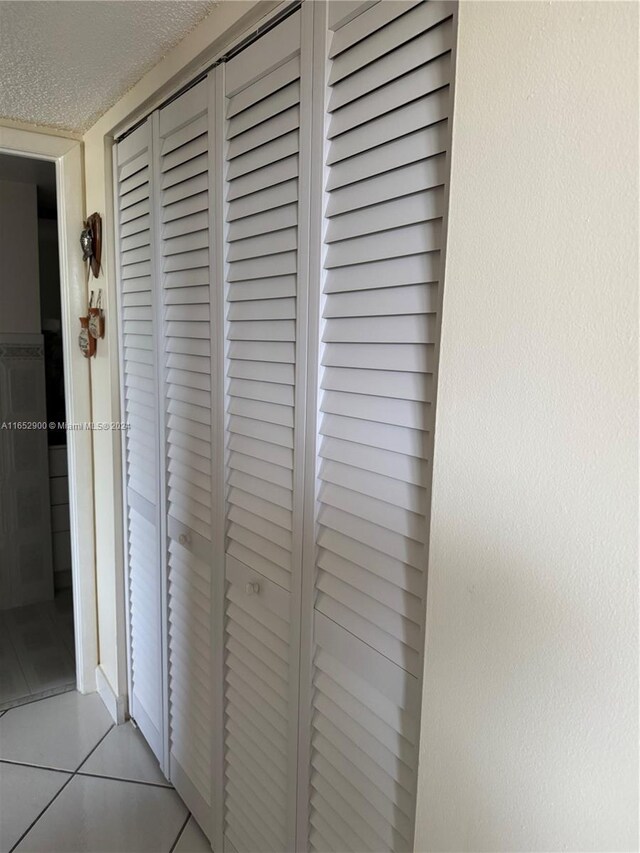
(266, 212)
(389, 68)
(138, 294)
(279, 321)
(184, 229)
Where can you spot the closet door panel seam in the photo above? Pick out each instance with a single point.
(156, 266)
(218, 328)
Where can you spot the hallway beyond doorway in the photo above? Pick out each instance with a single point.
(37, 654)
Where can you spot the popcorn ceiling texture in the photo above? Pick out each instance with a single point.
(63, 63)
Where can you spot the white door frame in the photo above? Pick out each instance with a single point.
(66, 153)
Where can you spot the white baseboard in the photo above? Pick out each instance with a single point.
(115, 705)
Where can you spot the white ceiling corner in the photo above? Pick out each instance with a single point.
(63, 63)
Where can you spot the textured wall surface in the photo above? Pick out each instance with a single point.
(64, 64)
(530, 699)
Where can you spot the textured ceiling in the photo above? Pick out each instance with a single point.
(63, 63)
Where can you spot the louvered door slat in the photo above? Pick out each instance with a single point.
(184, 251)
(134, 201)
(375, 60)
(389, 67)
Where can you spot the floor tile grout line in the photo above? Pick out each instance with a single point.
(33, 701)
(91, 751)
(180, 831)
(33, 823)
(35, 766)
(71, 774)
(87, 774)
(39, 695)
(57, 794)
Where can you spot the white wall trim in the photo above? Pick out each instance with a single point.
(67, 156)
(115, 705)
(41, 129)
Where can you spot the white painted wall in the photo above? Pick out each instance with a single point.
(19, 277)
(224, 23)
(529, 738)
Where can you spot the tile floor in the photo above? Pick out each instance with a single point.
(71, 781)
(37, 656)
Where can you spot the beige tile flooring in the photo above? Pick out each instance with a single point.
(37, 656)
(72, 782)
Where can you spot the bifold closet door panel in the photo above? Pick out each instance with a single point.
(388, 69)
(266, 211)
(184, 240)
(134, 211)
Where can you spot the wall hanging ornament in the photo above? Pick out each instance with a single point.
(86, 343)
(91, 243)
(96, 317)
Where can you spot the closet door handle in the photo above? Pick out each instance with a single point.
(252, 588)
(184, 539)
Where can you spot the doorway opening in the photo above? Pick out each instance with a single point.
(37, 644)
